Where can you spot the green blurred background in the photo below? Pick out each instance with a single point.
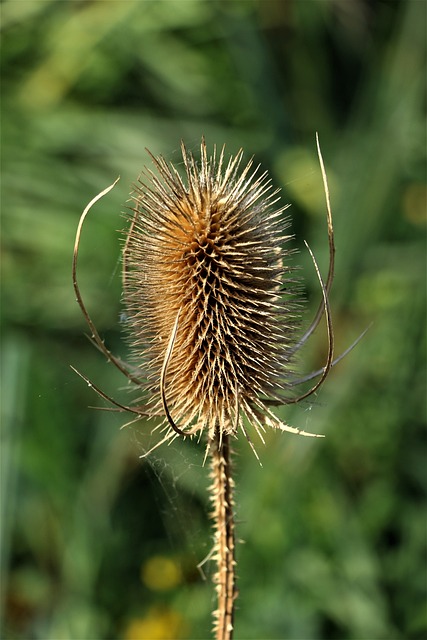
(98, 543)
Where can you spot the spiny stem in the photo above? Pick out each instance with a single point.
(224, 549)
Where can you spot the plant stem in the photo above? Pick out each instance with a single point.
(224, 548)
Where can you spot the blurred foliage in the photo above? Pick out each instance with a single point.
(97, 543)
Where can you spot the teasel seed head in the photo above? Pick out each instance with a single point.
(213, 310)
(212, 303)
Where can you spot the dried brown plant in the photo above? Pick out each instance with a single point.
(213, 314)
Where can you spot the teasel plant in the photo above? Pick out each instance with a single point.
(213, 316)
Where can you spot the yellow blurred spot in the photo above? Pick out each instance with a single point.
(160, 573)
(158, 624)
(415, 203)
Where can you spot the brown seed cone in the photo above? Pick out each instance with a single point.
(204, 265)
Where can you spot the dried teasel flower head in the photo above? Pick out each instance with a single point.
(213, 314)
(212, 304)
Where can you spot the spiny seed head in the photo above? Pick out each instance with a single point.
(212, 306)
